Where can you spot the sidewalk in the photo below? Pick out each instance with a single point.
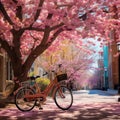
(108, 92)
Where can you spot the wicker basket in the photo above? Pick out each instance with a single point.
(62, 77)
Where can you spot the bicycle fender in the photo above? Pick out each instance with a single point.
(15, 92)
(53, 93)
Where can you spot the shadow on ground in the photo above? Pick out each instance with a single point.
(95, 111)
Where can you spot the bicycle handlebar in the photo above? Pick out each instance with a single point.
(35, 77)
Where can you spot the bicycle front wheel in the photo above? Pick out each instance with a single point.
(63, 97)
(22, 103)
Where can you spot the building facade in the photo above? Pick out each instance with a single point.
(105, 61)
(113, 66)
(6, 72)
(2, 70)
(113, 63)
(101, 71)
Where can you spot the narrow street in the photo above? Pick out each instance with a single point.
(87, 105)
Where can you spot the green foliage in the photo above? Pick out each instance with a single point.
(31, 74)
(43, 82)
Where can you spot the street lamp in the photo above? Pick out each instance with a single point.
(118, 48)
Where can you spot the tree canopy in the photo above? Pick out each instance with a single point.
(29, 27)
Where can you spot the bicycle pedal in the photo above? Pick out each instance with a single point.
(37, 104)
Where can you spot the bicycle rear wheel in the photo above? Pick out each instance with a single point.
(63, 98)
(22, 103)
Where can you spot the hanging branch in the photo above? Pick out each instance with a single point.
(2, 9)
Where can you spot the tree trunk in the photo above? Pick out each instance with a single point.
(20, 74)
(18, 79)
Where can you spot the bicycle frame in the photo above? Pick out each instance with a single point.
(53, 84)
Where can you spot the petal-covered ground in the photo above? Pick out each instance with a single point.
(88, 105)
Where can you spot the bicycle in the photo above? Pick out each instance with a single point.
(26, 97)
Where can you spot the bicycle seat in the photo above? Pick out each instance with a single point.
(32, 78)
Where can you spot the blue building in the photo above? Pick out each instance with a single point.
(105, 61)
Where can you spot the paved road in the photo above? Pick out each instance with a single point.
(88, 105)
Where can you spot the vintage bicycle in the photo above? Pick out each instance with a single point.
(26, 97)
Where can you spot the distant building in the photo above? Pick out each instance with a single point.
(113, 71)
(101, 71)
(113, 66)
(105, 61)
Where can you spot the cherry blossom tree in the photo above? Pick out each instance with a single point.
(29, 27)
(75, 61)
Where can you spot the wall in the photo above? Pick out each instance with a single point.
(113, 66)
